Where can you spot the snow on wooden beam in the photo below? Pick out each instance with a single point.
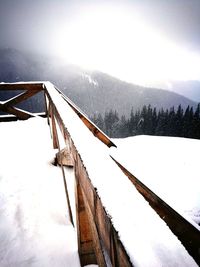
(22, 86)
(96, 234)
(19, 113)
(100, 221)
(89, 124)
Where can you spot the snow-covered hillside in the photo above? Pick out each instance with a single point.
(34, 225)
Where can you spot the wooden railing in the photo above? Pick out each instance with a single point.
(96, 233)
(98, 240)
(8, 106)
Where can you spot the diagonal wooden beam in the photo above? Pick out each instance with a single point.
(21, 114)
(187, 233)
(21, 97)
(90, 125)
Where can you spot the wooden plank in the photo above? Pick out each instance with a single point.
(21, 114)
(63, 130)
(53, 127)
(7, 105)
(56, 143)
(84, 234)
(188, 234)
(46, 107)
(64, 158)
(21, 97)
(96, 236)
(7, 118)
(90, 125)
(88, 235)
(109, 238)
(21, 86)
(95, 130)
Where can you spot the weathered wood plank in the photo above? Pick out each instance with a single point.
(89, 124)
(84, 234)
(60, 122)
(53, 128)
(57, 145)
(188, 234)
(21, 114)
(64, 158)
(46, 107)
(109, 237)
(21, 86)
(88, 232)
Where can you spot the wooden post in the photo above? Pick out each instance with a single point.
(53, 129)
(46, 107)
(89, 244)
(57, 145)
(85, 239)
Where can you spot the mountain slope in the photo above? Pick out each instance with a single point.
(93, 92)
(190, 89)
(100, 92)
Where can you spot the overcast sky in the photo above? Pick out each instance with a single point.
(40, 24)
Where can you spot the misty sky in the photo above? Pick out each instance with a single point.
(98, 32)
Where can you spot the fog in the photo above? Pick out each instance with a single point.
(43, 26)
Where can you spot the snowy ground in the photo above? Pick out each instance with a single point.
(169, 166)
(34, 225)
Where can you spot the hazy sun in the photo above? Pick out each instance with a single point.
(116, 40)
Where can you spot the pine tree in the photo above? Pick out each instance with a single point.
(186, 123)
(196, 122)
(161, 124)
(178, 122)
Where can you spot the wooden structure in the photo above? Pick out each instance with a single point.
(98, 240)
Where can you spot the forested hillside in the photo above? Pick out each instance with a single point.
(150, 121)
(93, 92)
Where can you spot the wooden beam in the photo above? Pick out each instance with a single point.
(57, 145)
(89, 124)
(188, 234)
(21, 97)
(85, 237)
(89, 240)
(21, 114)
(94, 129)
(46, 107)
(21, 86)
(53, 127)
(6, 118)
(110, 241)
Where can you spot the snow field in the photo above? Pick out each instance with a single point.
(34, 224)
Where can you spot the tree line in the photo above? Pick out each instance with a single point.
(149, 121)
